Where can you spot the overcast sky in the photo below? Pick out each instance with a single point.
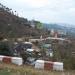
(49, 11)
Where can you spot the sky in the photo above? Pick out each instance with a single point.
(47, 11)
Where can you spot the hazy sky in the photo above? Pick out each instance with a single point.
(49, 11)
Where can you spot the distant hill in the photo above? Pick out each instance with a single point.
(11, 25)
(54, 26)
(70, 30)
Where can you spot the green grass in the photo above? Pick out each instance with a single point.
(5, 72)
(9, 69)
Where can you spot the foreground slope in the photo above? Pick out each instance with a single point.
(9, 69)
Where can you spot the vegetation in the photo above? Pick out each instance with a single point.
(5, 50)
(9, 69)
(13, 26)
(64, 52)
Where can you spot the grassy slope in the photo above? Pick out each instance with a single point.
(9, 69)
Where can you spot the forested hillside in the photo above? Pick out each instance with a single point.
(11, 25)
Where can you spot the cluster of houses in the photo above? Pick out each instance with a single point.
(31, 55)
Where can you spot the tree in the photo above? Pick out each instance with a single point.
(4, 49)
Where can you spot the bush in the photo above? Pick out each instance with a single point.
(4, 49)
(69, 63)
